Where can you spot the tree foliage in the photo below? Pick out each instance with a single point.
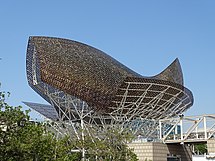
(21, 139)
(24, 140)
(110, 146)
(200, 149)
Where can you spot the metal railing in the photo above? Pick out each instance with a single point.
(187, 129)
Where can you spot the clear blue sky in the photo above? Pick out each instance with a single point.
(145, 35)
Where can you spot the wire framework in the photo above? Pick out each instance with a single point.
(187, 129)
(47, 111)
(88, 88)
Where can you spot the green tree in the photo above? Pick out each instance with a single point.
(111, 145)
(200, 149)
(23, 140)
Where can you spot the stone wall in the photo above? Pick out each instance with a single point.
(184, 151)
(211, 146)
(143, 150)
(157, 151)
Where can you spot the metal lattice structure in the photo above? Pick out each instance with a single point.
(46, 110)
(89, 88)
(189, 129)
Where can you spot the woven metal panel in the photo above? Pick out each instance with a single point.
(79, 69)
(96, 78)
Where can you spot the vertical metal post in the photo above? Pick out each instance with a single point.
(181, 124)
(197, 135)
(205, 127)
(176, 129)
(176, 132)
(82, 136)
(160, 127)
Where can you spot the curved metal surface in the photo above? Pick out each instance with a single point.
(172, 73)
(78, 69)
(96, 78)
(83, 84)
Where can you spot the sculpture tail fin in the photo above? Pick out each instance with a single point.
(172, 73)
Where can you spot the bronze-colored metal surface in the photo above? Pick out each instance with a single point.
(95, 77)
